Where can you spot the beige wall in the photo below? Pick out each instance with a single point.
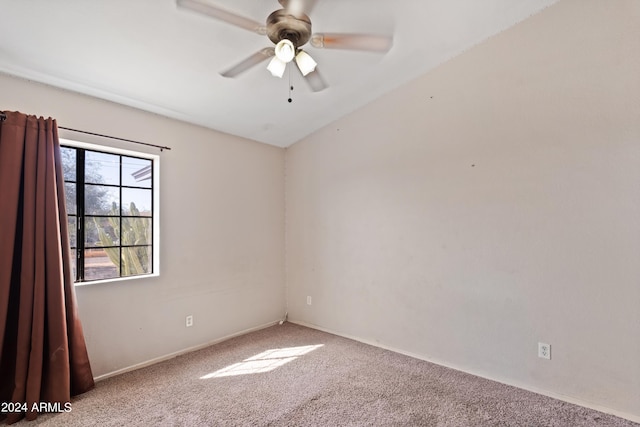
(221, 231)
(487, 206)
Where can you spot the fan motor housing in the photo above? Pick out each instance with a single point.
(282, 25)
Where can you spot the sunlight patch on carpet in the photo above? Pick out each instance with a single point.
(263, 362)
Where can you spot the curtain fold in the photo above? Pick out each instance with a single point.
(43, 356)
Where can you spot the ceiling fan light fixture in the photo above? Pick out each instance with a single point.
(285, 50)
(277, 67)
(305, 62)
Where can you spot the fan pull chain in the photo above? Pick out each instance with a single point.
(290, 87)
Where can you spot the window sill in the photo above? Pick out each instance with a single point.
(118, 279)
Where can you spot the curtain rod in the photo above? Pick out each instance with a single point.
(162, 148)
(3, 117)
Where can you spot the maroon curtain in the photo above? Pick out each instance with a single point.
(43, 357)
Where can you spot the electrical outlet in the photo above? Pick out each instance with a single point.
(189, 321)
(544, 351)
(308, 300)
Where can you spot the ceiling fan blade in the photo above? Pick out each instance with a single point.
(251, 61)
(223, 15)
(315, 81)
(370, 42)
(297, 7)
(301, 6)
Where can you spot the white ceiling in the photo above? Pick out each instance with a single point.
(154, 56)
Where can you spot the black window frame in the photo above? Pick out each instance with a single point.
(80, 215)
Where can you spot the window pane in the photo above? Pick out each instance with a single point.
(72, 231)
(136, 260)
(136, 231)
(101, 231)
(99, 263)
(70, 197)
(116, 207)
(136, 202)
(100, 200)
(68, 163)
(136, 172)
(102, 168)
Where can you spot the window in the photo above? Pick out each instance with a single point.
(110, 205)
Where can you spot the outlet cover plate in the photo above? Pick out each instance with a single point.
(544, 351)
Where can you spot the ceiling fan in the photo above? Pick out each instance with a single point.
(289, 29)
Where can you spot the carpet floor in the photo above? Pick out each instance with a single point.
(289, 375)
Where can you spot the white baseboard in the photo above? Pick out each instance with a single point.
(554, 395)
(181, 352)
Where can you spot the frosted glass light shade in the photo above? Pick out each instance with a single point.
(285, 50)
(276, 67)
(305, 62)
